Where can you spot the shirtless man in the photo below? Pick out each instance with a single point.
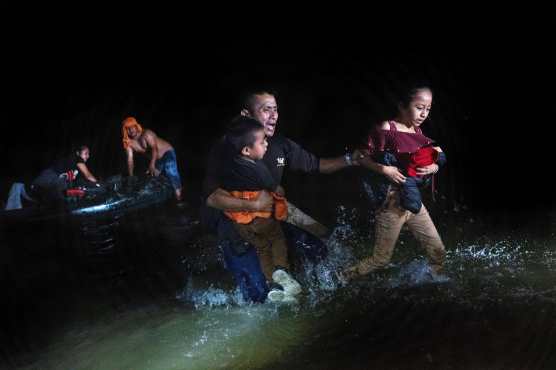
(163, 157)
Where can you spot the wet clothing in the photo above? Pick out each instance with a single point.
(246, 268)
(239, 255)
(389, 219)
(168, 166)
(245, 178)
(404, 150)
(266, 235)
(397, 205)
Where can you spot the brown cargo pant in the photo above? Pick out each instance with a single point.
(266, 235)
(388, 223)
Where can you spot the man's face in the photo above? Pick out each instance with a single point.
(265, 110)
(132, 132)
(258, 149)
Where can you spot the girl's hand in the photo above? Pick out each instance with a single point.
(427, 170)
(393, 174)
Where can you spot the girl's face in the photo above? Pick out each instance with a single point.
(418, 109)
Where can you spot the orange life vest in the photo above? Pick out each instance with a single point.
(244, 217)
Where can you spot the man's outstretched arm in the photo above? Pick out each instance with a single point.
(329, 165)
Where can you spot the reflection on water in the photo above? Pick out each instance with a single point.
(495, 308)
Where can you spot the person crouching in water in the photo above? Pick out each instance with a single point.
(401, 143)
(163, 157)
(245, 176)
(51, 183)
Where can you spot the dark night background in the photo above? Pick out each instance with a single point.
(493, 113)
(490, 98)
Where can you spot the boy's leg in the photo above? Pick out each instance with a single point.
(279, 246)
(246, 271)
(281, 274)
(241, 260)
(271, 232)
(425, 232)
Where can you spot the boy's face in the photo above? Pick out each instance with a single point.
(258, 149)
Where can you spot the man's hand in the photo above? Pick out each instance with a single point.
(356, 156)
(153, 171)
(280, 191)
(264, 202)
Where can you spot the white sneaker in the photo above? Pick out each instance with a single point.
(291, 286)
(276, 295)
(290, 299)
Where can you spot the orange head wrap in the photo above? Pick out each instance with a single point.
(129, 122)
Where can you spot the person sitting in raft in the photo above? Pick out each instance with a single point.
(244, 177)
(51, 183)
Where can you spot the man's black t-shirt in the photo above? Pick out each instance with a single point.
(284, 152)
(281, 152)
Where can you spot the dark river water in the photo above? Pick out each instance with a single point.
(147, 291)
